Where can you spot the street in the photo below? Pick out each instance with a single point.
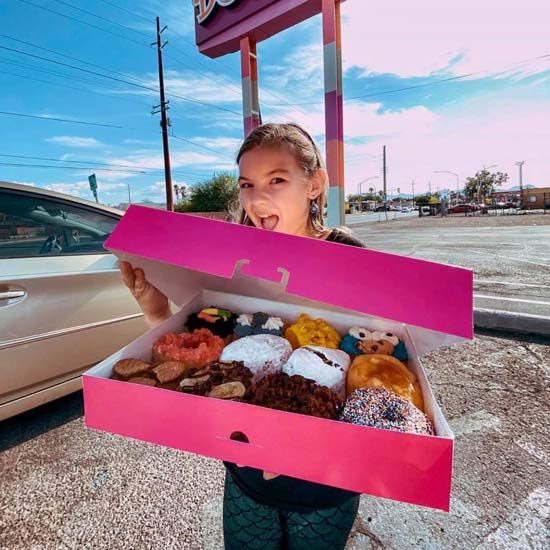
(510, 255)
(71, 487)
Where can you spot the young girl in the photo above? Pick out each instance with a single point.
(282, 183)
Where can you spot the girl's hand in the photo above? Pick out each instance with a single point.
(268, 476)
(152, 301)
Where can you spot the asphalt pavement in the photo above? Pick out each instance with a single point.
(74, 488)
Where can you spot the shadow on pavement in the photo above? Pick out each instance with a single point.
(35, 422)
(521, 337)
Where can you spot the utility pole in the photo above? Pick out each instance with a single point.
(384, 172)
(413, 183)
(129, 196)
(164, 121)
(520, 163)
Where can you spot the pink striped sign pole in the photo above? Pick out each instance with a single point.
(249, 74)
(334, 129)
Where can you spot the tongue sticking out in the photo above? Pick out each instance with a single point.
(270, 222)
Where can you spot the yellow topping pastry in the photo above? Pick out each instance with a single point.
(312, 332)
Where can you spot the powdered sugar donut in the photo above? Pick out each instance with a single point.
(328, 367)
(262, 353)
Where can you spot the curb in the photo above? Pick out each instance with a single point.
(512, 322)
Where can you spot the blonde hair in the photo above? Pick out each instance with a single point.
(306, 152)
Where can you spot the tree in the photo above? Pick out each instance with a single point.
(217, 194)
(422, 200)
(484, 183)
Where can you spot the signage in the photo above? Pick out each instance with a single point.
(207, 8)
(220, 24)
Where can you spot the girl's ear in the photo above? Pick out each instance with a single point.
(317, 183)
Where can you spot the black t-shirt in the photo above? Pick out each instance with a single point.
(284, 492)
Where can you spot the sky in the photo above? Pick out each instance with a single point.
(446, 86)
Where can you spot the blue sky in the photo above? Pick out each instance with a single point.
(495, 116)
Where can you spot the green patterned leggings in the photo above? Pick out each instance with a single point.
(249, 525)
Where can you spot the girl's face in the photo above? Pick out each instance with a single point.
(275, 192)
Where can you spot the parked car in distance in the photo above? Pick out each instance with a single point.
(461, 208)
(406, 209)
(63, 306)
(506, 205)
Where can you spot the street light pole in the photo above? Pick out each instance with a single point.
(455, 175)
(360, 194)
(520, 163)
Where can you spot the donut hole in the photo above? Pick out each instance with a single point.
(239, 436)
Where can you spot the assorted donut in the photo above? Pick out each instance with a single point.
(305, 367)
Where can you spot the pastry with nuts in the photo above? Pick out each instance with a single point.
(223, 380)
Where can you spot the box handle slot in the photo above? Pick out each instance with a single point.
(244, 268)
(239, 436)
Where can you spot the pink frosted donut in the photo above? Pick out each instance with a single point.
(195, 349)
(381, 408)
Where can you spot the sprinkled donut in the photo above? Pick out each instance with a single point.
(381, 408)
(194, 349)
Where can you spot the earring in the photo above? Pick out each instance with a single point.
(313, 209)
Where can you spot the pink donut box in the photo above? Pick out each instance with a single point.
(199, 262)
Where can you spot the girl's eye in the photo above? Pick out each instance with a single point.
(246, 185)
(277, 180)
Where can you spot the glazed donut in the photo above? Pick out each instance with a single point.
(380, 408)
(384, 371)
(194, 349)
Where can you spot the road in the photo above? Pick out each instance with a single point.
(74, 488)
(510, 255)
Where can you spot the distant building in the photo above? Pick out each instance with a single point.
(534, 198)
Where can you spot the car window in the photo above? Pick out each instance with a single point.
(31, 225)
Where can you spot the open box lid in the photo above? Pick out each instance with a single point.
(181, 254)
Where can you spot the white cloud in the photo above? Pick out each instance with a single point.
(75, 141)
(461, 140)
(82, 188)
(423, 37)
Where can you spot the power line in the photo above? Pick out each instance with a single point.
(84, 62)
(111, 96)
(23, 165)
(57, 74)
(83, 22)
(412, 87)
(60, 119)
(126, 10)
(69, 87)
(179, 96)
(183, 173)
(201, 146)
(102, 18)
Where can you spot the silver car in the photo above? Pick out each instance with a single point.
(63, 306)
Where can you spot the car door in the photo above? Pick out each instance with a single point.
(63, 306)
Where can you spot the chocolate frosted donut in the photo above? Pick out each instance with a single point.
(296, 394)
(381, 408)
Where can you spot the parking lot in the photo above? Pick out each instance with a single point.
(64, 486)
(71, 487)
